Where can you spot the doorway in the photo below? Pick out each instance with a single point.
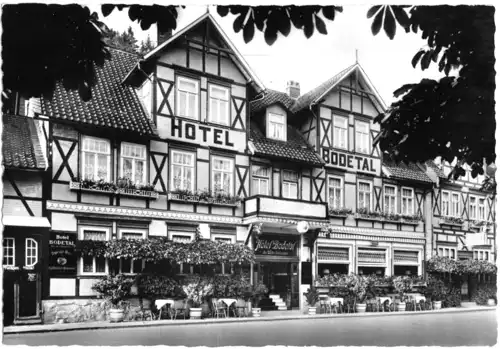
(281, 278)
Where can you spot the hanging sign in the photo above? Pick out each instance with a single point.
(62, 256)
(276, 245)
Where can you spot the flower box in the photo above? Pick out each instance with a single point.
(138, 193)
(452, 221)
(207, 201)
(410, 221)
(339, 212)
(183, 198)
(32, 267)
(10, 268)
(233, 203)
(78, 186)
(367, 217)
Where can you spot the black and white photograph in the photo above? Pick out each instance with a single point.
(248, 174)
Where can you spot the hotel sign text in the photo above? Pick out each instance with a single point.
(355, 162)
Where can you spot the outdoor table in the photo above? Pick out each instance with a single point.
(160, 303)
(227, 302)
(334, 301)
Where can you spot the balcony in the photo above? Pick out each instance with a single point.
(261, 205)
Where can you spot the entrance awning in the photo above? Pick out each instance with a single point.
(25, 221)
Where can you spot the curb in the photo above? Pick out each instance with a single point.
(156, 323)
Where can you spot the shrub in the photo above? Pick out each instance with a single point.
(114, 288)
(160, 286)
(483, 293)
(312, 296)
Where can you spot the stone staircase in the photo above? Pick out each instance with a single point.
(278, 302)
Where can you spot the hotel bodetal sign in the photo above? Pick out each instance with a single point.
(272, 245)
(62, 256)
(356, 162)
(201, 133)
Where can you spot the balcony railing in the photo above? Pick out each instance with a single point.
(292, 208)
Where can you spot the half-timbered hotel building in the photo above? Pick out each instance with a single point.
(193, 120)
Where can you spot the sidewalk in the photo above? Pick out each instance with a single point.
(266, 316)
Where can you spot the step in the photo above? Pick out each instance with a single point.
(283, 308)
(279, 303)
(274, 296)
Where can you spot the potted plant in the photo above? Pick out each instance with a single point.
(436, 289)
(258, 290)
(402, 285)
(312, 297)
(197, 288)
(358, 286)
(114, 289)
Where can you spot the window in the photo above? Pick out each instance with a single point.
(339, 132)
(133, 162)
(260, 180)
(445, 203)
(389, 199)
(131, 266)
(96, 158)
(9, 250)
(127, 233)
(219, 105)
(482, 209)
(335, 192)
(362, 137)
(290, 184)
(222, 175)
(407, 201)
(182, 171)
(187, 98)
(31, 252)
(482, 255)
(472, 207)
(455, 205)
(447, 252)
(364, 195)
(276, 126)
(94, 264)
(185, 238)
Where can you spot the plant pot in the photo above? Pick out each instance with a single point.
(255, 312)
(360, 308)
(311, 311)
(491, 302)
(436, 304)
(116, 315)
(401, 306)
(195, 313)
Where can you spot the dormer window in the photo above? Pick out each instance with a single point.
(187, 97)
(276, 126)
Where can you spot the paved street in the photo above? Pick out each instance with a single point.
(478, 329)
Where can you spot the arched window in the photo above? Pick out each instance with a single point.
(31, 256)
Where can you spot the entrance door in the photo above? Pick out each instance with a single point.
(27, 290)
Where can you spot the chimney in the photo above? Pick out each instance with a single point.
(163, 35)
(293, 89)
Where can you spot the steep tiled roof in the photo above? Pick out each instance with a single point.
(20, 144)
(406, 172)
(294, 149)
(437, 170)
(113, 104)
(306, 99)
(271, 97)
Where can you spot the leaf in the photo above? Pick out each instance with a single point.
(329, 12)
(320, 25)
(249, 30)
(238, 23)
(389, 23)
(222, 10)
(106, 9)
(373, 10)
(401, 17)
(308, 28)
(377, 23)
(426, 60)
(270, 35)
(416, 58)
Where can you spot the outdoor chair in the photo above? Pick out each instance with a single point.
(218, 309)
(240, 308)
(179, 309)
(349, 306)
(324, 305)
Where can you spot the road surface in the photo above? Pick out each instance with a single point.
(472, 328)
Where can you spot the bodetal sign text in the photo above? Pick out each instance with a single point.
(356, 162)
(276, 247)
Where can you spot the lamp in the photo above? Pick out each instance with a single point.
(326, 271)
(378, 272)
(360, 272)
(302, 227)
(408, 272)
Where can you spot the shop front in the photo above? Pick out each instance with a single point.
(277, 264)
